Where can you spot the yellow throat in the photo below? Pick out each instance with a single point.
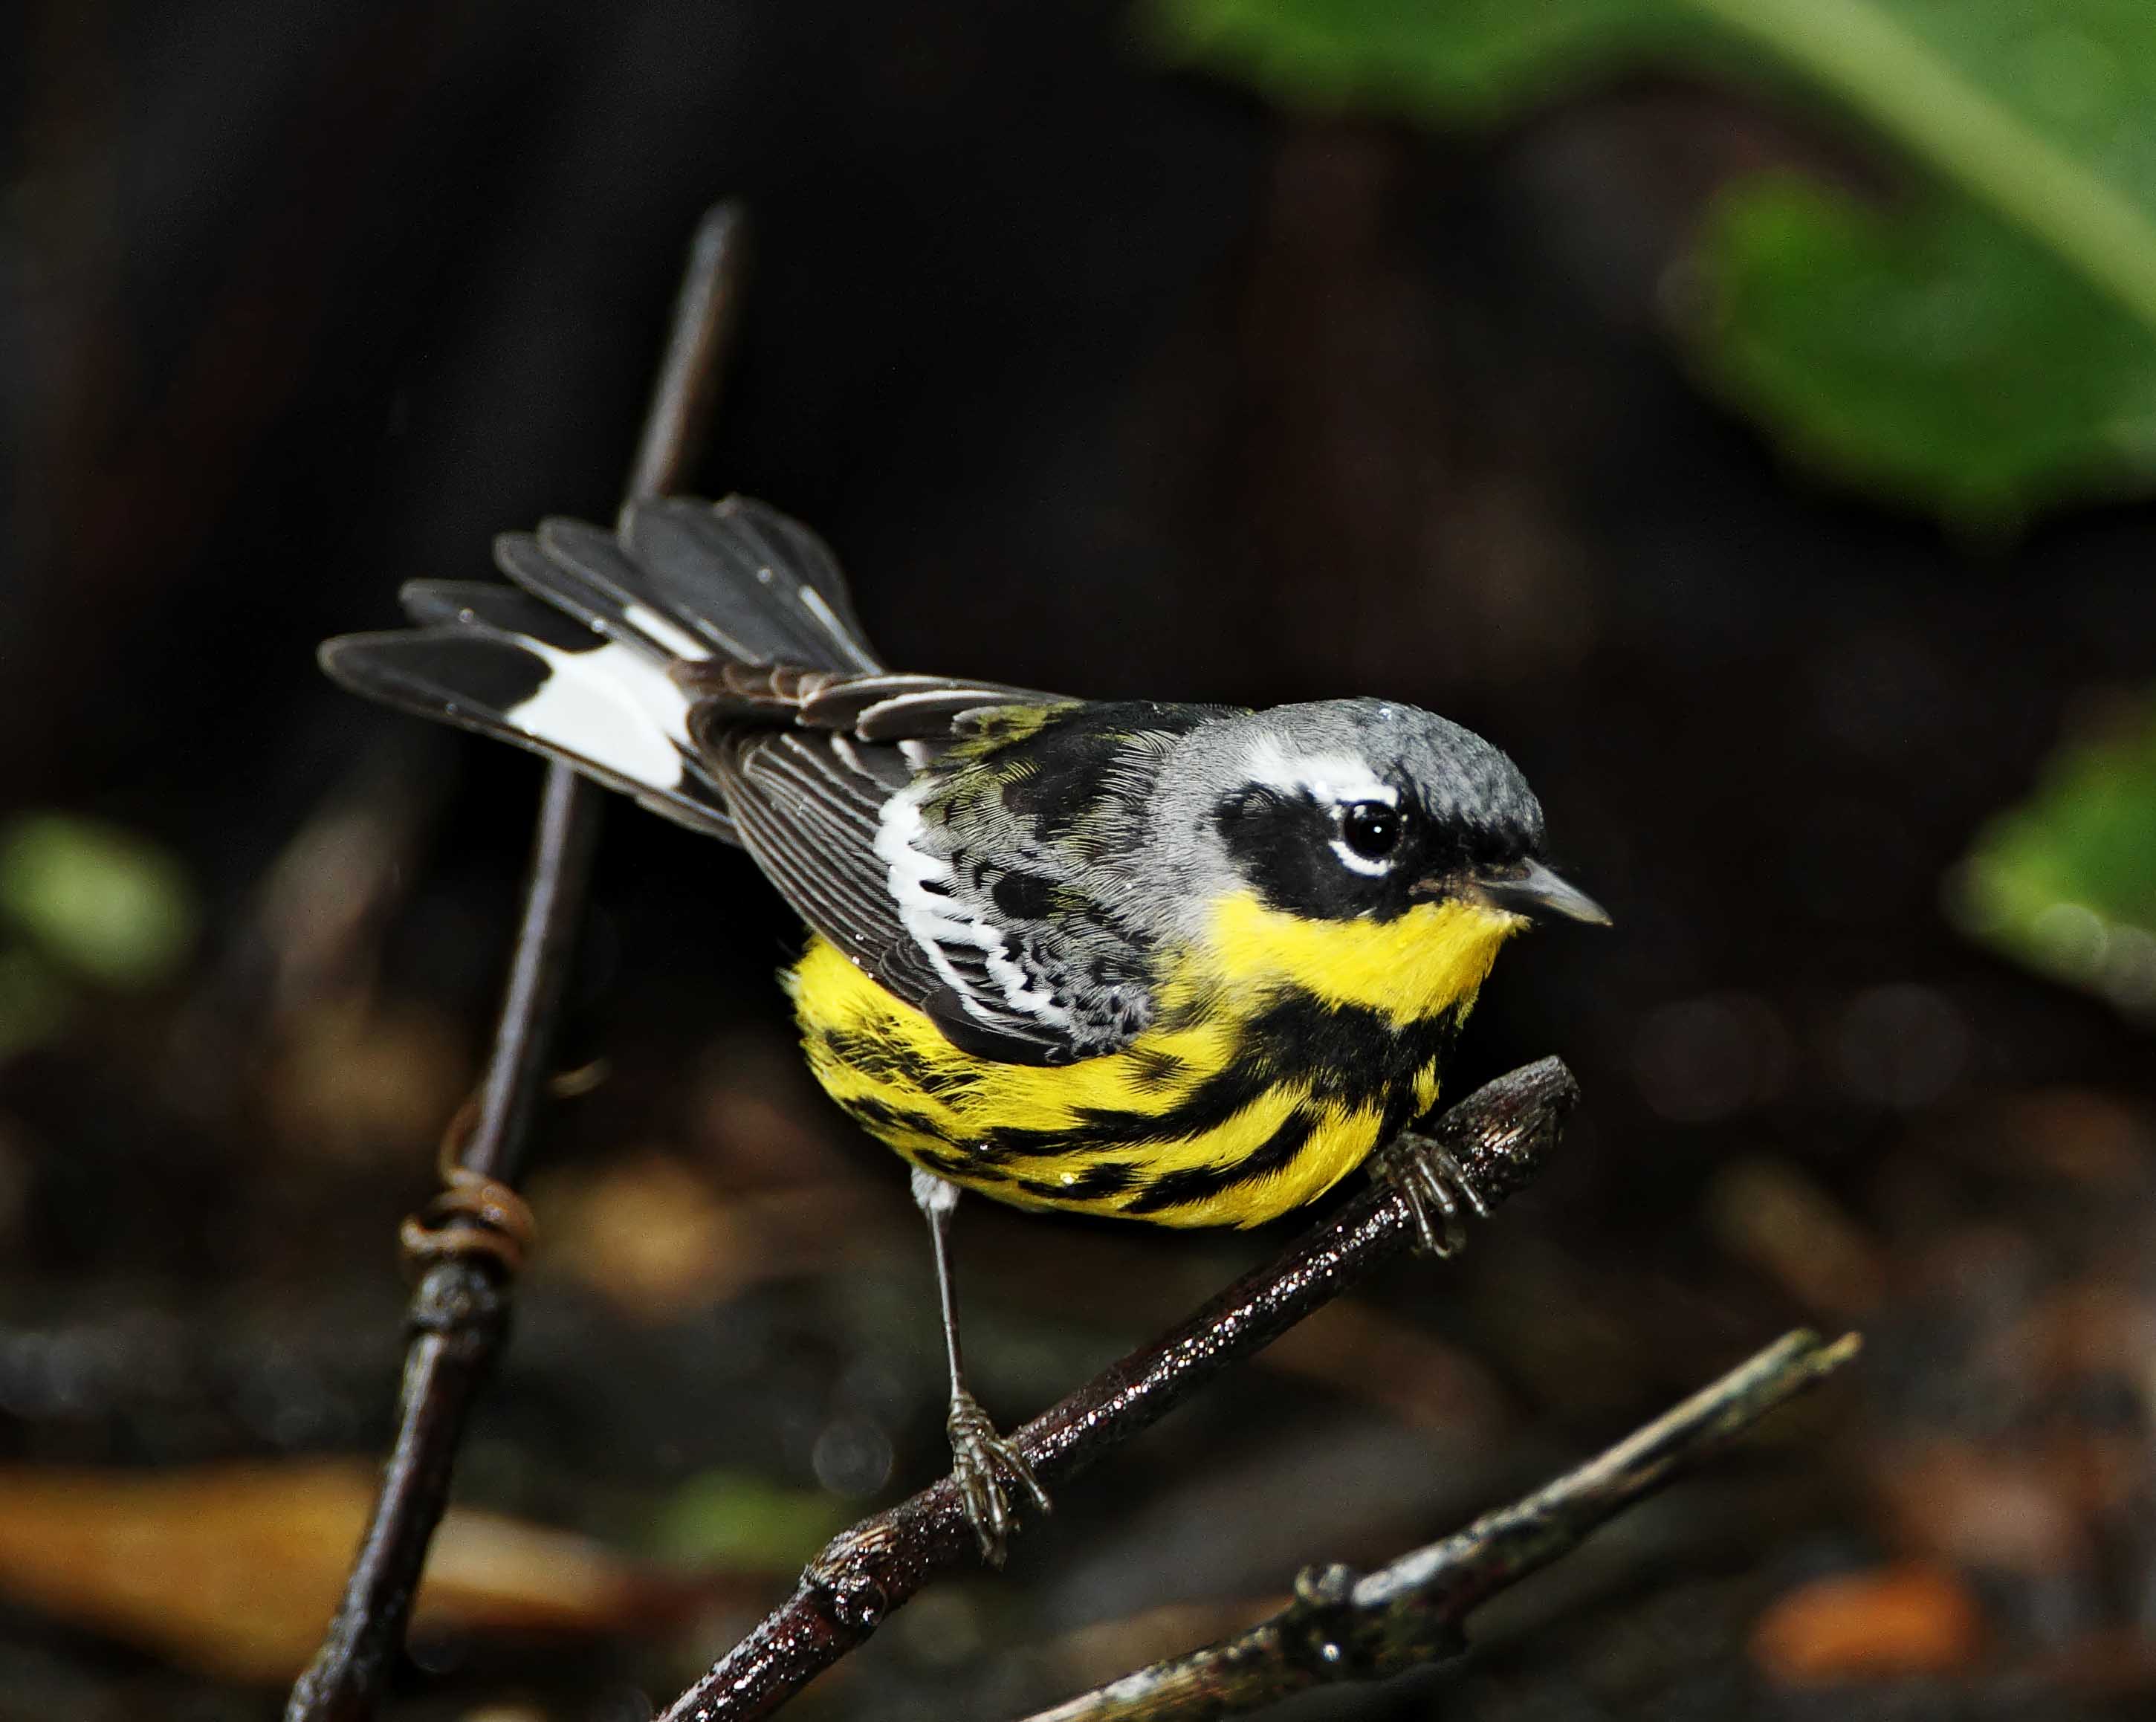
(1432, 959)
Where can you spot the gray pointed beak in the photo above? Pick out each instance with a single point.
(1530, 888)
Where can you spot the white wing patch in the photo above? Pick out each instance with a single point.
(923, 886)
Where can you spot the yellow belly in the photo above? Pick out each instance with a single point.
(1278, 1064)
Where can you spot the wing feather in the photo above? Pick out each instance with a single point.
(722, 567)
(816, 813)
(708, 661)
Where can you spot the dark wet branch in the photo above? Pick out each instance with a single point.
(467, 1246)
(1498, 1134)
(1342, 1626)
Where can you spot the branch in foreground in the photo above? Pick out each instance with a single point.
(468, 1246)
(1343, 1627)
(1498, 1134)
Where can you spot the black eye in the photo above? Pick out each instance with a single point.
(1371, 827)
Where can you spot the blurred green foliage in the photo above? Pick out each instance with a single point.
(1476, 62)
(98, 899)
(2065, 882)
(1981, 343)
(83, 901)
(735, 1521)
(1932, 353)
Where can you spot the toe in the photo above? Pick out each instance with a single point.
(1021, 1474)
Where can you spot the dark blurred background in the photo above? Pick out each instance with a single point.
(1116, 352)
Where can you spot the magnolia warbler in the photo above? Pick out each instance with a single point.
(1185, 964)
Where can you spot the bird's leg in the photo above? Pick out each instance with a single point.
(986, 1465)
(1440, 1193)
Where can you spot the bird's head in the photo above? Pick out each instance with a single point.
(1390, 825)
(1361, 810)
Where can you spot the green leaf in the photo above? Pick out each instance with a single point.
(1936, 355)
(1445, 61)
(98, 899)
(2063, 882)
(1983, 345)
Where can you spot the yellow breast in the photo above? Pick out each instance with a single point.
(1283, 1051)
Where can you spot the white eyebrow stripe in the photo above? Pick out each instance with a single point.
(1339, 778)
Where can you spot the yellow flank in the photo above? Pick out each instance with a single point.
(1432, 957)
(1425, 1087)
(1076, 1136)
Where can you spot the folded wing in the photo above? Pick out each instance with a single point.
(707, 660)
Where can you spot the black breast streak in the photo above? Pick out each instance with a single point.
(1350, 1055)
(960, 1167)
(1197, 1184)
(886, 1060)
(1154, 1069)
(1104, 1178)
(1346, 1055)
(876, 1117)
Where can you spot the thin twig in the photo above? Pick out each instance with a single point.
(1498, 1134)
(459, 1310)
(1345, 1626)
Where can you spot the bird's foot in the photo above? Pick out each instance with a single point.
(1439, 1191)
(988, 1467)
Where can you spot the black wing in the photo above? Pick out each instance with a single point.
(823, 804)
(707, 660)
(982, 888)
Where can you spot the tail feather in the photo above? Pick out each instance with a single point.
(492, 607)
(761, 589)
(575, 661)
(553, 580)
(614, 716)
(581, 570)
